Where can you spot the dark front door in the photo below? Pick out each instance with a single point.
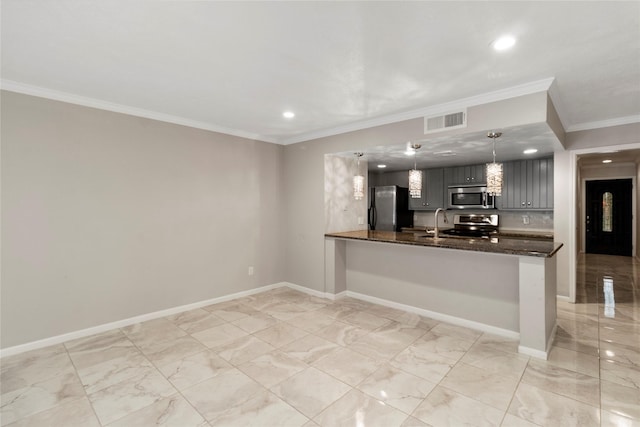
(609, 217)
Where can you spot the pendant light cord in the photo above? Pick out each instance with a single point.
(494, 150)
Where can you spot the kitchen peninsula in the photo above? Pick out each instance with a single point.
(502, 286)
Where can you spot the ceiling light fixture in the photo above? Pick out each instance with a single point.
(288, 114)
(358, 180)
(410, 151)
(494, 170)
(415, 176)
(382, 166)
(530, 151)
(607, 161)
(504, 43)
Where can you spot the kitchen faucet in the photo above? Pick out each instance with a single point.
(444, 213)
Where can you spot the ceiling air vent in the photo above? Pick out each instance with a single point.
(445, 122)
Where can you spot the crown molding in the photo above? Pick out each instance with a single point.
(548, 84)
(26, 89)
(434, 110)
(604, 123)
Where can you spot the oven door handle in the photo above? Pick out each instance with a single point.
(484, 199)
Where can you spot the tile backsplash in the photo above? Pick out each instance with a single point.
(509, 220)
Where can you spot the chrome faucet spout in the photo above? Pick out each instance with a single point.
(436, 229)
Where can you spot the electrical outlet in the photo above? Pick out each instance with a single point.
(250, 271)
(525, 220)
(360, 220)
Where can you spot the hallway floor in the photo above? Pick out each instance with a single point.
(284, 358)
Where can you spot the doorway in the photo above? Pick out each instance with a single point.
(609, 217)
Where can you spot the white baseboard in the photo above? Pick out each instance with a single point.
(539, 353)
(563, 298)
(58, 339)
(437, 316)
(309, 291)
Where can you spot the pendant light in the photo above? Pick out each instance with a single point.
(415, 176)
(494, 170)
(358, 180)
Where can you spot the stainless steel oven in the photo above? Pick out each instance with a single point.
(469, 197)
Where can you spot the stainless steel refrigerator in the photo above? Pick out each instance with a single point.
(389, 208)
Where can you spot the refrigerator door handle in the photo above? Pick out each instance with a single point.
(372, 217)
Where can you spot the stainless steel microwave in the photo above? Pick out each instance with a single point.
(473, 196)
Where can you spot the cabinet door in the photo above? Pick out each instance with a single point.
(435, 188)
(450, 176)
(528, 184)
(477, 174)
(459, 175)
(511, 186)
(432, 191)
(550, 183)
(532, 173)
(540, 189)
(515, 185)
(509, 197)
(462, 175)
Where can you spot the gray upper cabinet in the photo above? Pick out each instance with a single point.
(399, 178)
(432, 191)
(460, 175)
(528, 184)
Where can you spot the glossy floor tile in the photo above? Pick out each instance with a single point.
(284, 358)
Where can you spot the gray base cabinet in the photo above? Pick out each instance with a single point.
(528, 184)
(432, 191)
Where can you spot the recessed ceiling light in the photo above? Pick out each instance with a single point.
(410, 152)
(504, 43)
(607, 161)
(530, 151)
(288, 114)
(382, 166)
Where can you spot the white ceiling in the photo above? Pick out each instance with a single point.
(616, 157)
(464, 149)
(236, 66)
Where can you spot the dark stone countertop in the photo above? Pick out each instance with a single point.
(496, 245)
(517, 234)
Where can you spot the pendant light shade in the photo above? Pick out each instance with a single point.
(358, 181)
(415, 176)
(494, 170)
(415, 183)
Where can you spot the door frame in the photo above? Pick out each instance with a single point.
(573, 211)
(583, 211)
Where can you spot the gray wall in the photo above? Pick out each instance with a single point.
(431, 279)
(304, 188)
(107, 216)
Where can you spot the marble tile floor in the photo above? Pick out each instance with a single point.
(284, 358)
